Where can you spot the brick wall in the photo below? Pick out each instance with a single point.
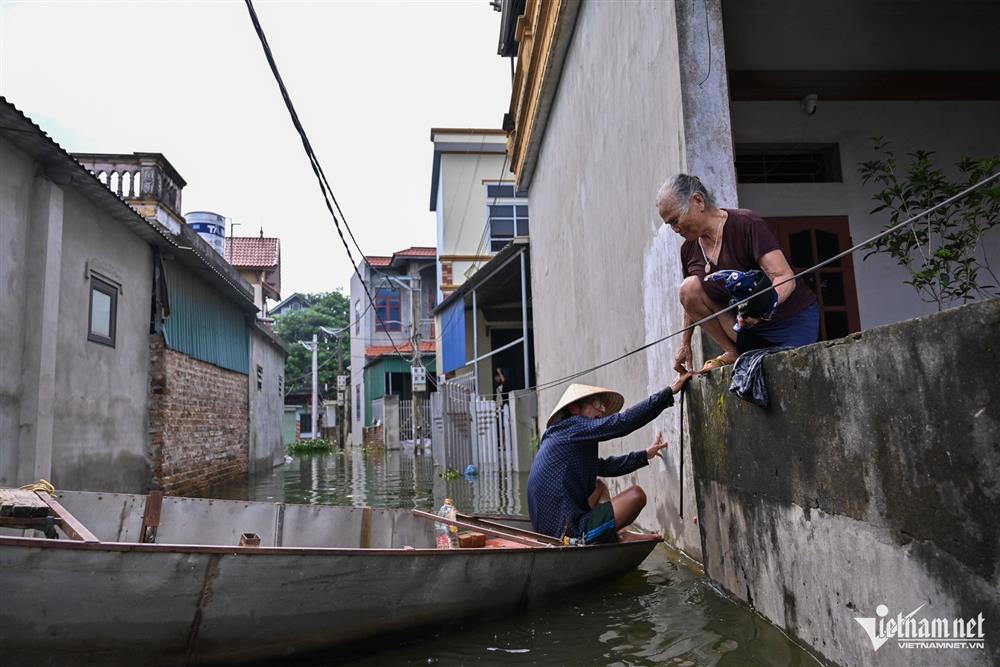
(198, 422)
(447, 277)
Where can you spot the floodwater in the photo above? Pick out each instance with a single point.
(665, 613)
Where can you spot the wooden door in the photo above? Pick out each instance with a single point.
(807, 241)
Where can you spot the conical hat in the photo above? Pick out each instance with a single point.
(575, 392)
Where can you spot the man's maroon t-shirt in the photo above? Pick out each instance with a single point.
(745, 239)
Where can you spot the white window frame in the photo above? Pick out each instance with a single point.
(503, 201)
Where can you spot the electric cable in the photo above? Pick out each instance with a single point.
(554, 383)
(318, 171)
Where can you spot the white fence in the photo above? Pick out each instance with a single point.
(468, 429)
(407, 430)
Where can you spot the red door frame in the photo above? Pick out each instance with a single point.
(784, 227)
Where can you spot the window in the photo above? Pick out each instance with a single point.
(260, 377)
(281, 386)
(788, 163)
(103, 311)
(387, 307)
(357, 402)
(357, 316)
(507, 215)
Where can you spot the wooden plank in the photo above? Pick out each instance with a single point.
(69, 523)
(481, 522)
(482, 529)
(151, 516)
(21, 503)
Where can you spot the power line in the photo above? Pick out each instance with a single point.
(317, 169)
(554, 383)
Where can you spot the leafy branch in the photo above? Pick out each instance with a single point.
(941, 250)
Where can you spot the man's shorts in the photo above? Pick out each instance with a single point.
(601, 525)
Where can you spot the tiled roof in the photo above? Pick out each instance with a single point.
(426, 347)
(378, 260)
(416, 251)
(252, 251)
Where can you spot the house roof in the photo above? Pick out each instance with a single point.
(417, 251)
(462, 140)
(256, 252)
(63, 169)
(374, 351)
(298, 296)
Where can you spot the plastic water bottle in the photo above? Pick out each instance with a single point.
(447, 535)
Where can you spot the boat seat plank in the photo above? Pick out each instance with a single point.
(69, 523)
(21, 503)
(523, 541)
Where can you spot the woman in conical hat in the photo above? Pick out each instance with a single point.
(566, 498)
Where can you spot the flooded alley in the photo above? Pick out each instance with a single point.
(665, 613)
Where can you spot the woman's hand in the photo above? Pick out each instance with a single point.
(681, 380)
(658, 444)
(683, 360)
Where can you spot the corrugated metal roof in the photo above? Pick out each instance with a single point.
(256, 252)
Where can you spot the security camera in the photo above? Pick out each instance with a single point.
(809, 103)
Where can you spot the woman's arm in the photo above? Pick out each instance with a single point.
(777, 269)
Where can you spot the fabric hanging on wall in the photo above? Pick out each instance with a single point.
(748, 375)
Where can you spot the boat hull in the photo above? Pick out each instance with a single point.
(161, 604)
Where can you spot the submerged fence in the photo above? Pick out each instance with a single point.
(468, 429)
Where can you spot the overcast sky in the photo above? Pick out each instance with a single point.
(189, 80)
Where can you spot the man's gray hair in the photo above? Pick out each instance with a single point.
(680, 188)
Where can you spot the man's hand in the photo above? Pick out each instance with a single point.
(680, 382)
(658, 444)
(684, 360)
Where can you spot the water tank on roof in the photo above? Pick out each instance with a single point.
(211, 227)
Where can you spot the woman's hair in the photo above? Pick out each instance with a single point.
(680, 188)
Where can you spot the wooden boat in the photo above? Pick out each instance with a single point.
(159, 580)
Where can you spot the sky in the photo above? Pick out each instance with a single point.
(189, 80)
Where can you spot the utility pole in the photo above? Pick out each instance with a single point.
(418, 426)
(341, 414)
(315, 397)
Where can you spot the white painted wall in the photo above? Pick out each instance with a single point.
(952, 128)
(603, 280)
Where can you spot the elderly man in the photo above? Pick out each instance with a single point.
(731, 240)
(566, 498)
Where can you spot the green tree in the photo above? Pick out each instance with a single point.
(330, 310)
(940, 251)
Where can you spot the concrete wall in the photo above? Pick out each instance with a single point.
(462, 206)
(267, 448)
(953, 129)
(71, 410)
(16, 178)
(874, 478)
(615, 132)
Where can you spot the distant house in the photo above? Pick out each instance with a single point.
(258, 259)
(382, 337)
(484, 268)
(132, 357)
(293, 303)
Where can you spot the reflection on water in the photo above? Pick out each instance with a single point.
(377, 478)
(664, 613)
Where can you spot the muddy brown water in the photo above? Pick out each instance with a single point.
(664, 613)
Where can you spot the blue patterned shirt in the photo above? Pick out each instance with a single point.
(565, 471)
